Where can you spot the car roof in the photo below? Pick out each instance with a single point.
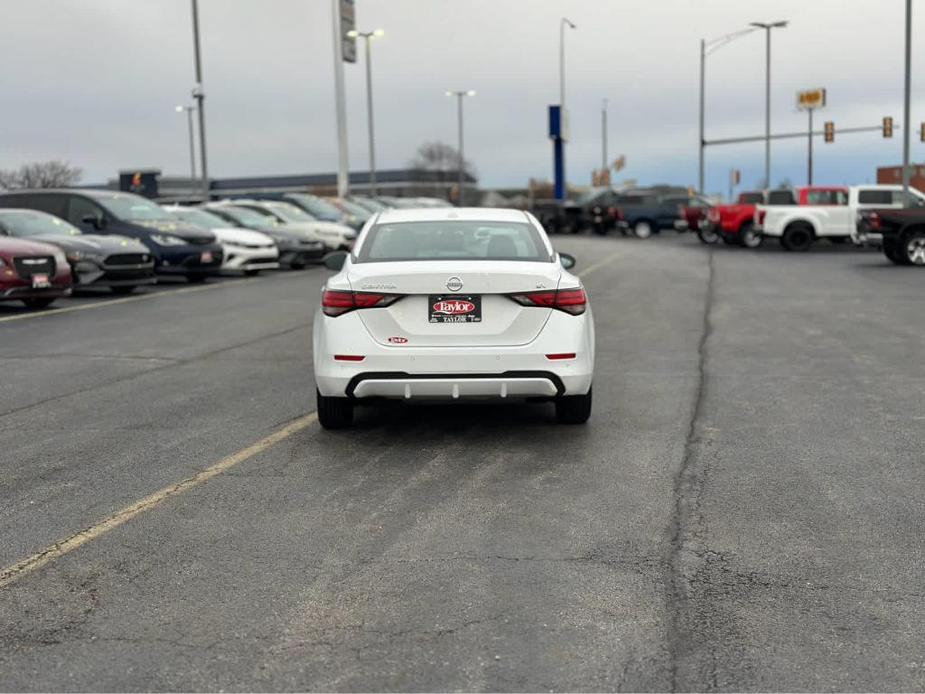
(438, 214)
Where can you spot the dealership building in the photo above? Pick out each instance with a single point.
(401, 183)
(894, 175)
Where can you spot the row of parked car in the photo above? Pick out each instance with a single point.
(867, 215)
(55, 241)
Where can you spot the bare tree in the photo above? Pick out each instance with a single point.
(42, 174)
(439, 156)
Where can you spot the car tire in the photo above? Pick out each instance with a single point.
(643, 229)
(797, 237)
(892, 253)
(123, 291)
(749, 238)
(911, 249)
(38, 302)
(573, 409)
(334, 413)
(708, 235)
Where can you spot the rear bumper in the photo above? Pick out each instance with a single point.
(866, 238)
(449, 373)
(513, 384)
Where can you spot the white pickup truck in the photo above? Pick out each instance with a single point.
(825, 213)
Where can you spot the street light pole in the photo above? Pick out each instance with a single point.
(604, 165)
(343, 163)
(192, 150)
(907, 115)
(368, 36)
(200, 97)
(563, 114)
(707, 47)
(767, 95)
(460, 95)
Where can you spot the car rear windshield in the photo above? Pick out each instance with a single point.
(27, 223)
(751, 198)
(453, 240)
(781, 197)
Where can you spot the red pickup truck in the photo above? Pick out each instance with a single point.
(735, 223)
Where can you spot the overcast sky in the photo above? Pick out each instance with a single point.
(95, 82)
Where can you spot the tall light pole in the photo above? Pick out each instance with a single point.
(706, 48)
(192, 149)
(907, 115)
(604, 165)
(460, 95)
(343, 164)
(368, 36)
(563, 115)
(767, 26)
(200, 97)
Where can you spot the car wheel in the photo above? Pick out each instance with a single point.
(123, 291)
(38, 302)
(195, 279)
(642, 229)
(708, 235)
(334, 413)
(750, 238)
(912, 248)
(797, 237)
(573, 409)
(892, 253)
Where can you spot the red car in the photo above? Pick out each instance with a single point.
(34, 273)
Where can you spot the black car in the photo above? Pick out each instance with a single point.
(117, 262)
(178, 249)
(296, 248)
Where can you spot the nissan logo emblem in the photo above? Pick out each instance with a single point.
(454, 284)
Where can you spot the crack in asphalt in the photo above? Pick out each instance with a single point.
(685, 549)
(155, 369)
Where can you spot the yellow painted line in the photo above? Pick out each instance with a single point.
(599, 264)
(69, 544)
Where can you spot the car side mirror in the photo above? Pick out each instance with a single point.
(335, 260)
(97, 222)
(567, 260)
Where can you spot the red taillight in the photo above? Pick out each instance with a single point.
(562, 355)
(573, 301)
(761, 215)
(348, 357)
(873, 221)
(336, 302)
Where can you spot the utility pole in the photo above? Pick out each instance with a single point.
(368, 36)
(767, 95)
(343, 181)
(809, 172)
(200, 97)
(604, 165)
(907, 113)
(192, 150)
(703, 64)
(460, 95)
(563, 113)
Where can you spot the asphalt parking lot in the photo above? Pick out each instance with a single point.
(743, 511)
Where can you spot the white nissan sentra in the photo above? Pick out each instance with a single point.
(453, 304)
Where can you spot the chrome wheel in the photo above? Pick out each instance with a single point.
(643, 230)
(751, 238)
(707, 234)
(915, 250)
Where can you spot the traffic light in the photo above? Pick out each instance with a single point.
(830, 131)
(887, 126)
